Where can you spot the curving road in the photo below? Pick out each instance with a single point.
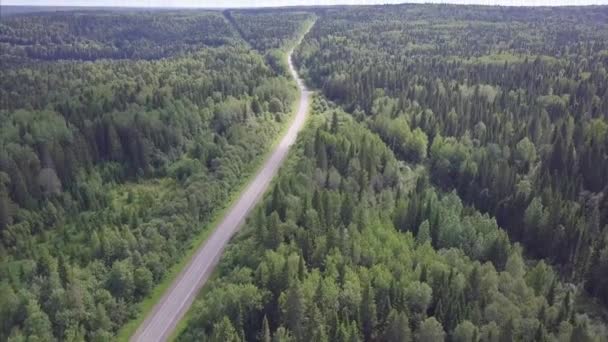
(174, 304)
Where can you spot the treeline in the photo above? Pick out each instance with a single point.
(271, 32)
(508, 106)
(94, 35)
(108, 169)
(351, 245)
(269, 29)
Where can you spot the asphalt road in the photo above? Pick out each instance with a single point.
(174, 304)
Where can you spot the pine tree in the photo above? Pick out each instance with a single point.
(301, 268)
(274, 233)
(334, 122)
(37, 325)
(354, 335)
(368, 313)
(565, 310)
(424, 233)
(551, 293)
(265, 333)
(62, 270)
(397, 328)
(316, 330)
(294, 315)
(255, 106)
(541, 334)
(5, 217)
(580, 333)
(430, 330)
(277, 202)
(224, 331)
(507, 333)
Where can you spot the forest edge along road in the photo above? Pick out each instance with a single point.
(174, 304)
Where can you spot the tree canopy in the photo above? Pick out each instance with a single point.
(122, 134)
(318, 262)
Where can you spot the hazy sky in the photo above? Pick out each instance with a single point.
(273, 3)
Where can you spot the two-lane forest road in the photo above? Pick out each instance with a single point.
(171, 308)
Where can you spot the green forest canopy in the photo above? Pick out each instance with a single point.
(122, 134)
(462, 195)
(450, 186)
(351, 244)
(511, 102)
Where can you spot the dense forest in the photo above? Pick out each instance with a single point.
(451, 184)
(508, 106)
(121, 135)
(93, 35)
(269, 35)
(352, 244)
(457, 190)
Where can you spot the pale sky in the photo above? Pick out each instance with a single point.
(276, 3)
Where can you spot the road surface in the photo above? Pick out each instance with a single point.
(174, 304)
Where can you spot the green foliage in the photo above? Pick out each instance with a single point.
(325, 275)
(268, 30)
(430, 331)
(398, 328)
(110, 167)
(271, 32)
(90, 36)
(514, 114)
(122, 132)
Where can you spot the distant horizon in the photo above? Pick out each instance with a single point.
(285, 3)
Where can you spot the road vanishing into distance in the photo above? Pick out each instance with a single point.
(161, 322)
